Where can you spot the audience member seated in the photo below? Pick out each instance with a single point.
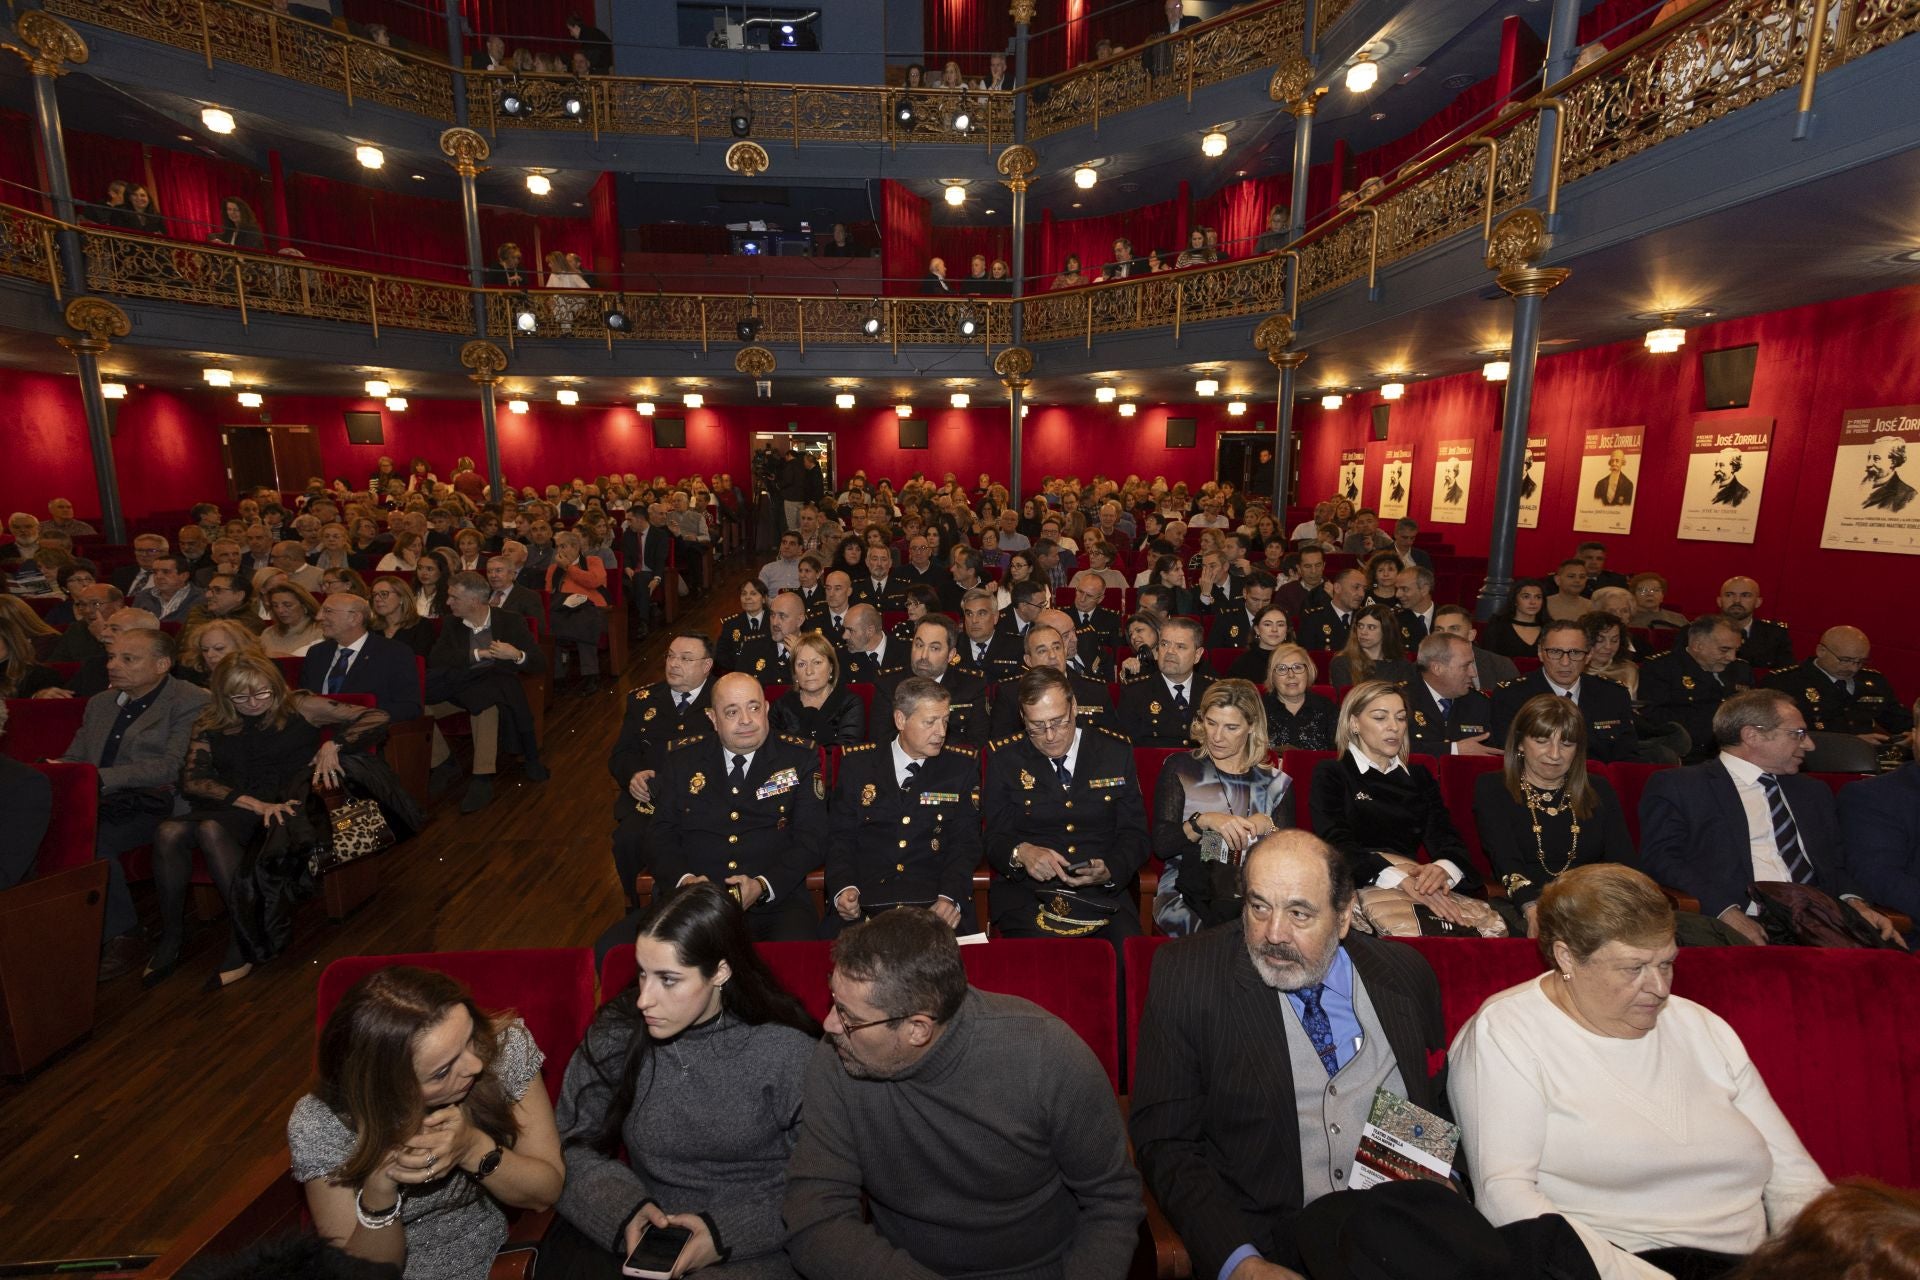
(1383, 813)
(136, 734)
(1606, 706)
(1490, 670)
(26, 797)
(1298, 719)
(1448, 715)
(393, 616)
(1158, 710)
(1569, 602)
(1857, 1227)
(1308, 590)
(60, 520)
(1143, 639)
(204, 647)
(1383, 579)
(1327, 626)
(170, 594)
(1228, 1160)
(296, 621)
(1544, 814)
(1594, 1093)
(1882, 839)
(1514, 632)
(1065, 828)
(352, 659)
(1762, 643)
(922, 1066)
(1271, 630)
(21, 673)
(417, 1171)
(656, 715)
(1649, 600)
(904, 826)
(576, 586)
(818, 709)
(1748, 816)
(227, 596)
(475, 667)
(1685, 686)
(737, 628)
(1609, 649)
(1235, 620)
(430, 586)
(1838, 692)
(1211, 805)
(256, 749)
(1372, 650)
(505, 592)
(932, 656)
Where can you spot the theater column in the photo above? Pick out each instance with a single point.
(486, 363)
(98, 322)
(1518, 242)
(1022, 11)
(1015, 367)
(1293, 88)
(1273, 336)
(1016, 165)
(465, 149)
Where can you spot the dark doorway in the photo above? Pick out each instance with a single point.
(1246, 459)
(278, 458)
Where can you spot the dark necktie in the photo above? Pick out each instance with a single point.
(1446, 707)
(1786, 832)
(1319, 1027)
(913, 775)
(337, 675)
(681, 701)
(1180, 699)
(1066, 775)
(737, 775)
(980, 651)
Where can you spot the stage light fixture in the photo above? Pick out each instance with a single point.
(1214, 145)
(1663, 342)
(1128, 409)
(397, 403)
(960, 400)
(693, 400)
(378, 387)
(113, 390)
(574, 105)
(512, 103)
(1393, 390)
(1331, 401)
(216, 120)
(1084, 177)
(1495, 370)
(218, 377)
(539, 184)
(516, 406)
(567, 396)
(369, 157)
(250, 399)
(903, 113)
(844, 400)
(741, 121)
(1363, 74)
(615, 319)
(1236, 408)
(969, 323)
(644, 408)
(1106, 395)
(747, 328)
(1206, 386)
(523, 317)
(962, 120)
(872, 325)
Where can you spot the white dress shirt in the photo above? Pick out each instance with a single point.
(1767, 862)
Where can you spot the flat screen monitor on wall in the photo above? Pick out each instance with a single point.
(1180, 432)
(669, 433)
(913, 433)
(1729, 376)
(364, 428)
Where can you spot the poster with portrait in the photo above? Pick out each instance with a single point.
(1353, 476)
(1452, 481)
(1396, 482)
(1726, 470)
(1609, 475)
(1533, 478)
(1871, 505)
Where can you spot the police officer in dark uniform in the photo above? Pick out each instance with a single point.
(1046, 647)
(1605, 704)
(1091, 617)
(1157, 710)
(1686, 685)
(829, 613)
(985, 650)
(1446, 715)
(745, 809)
(657, 714)
(1763, 643)
(1087, 654)
(768, 656)
(1233, 625)
(933, 658)
(1066, 828)
(1838, 693)
(738, 628)
(1326, 627)
(904, 828)
(881, 588)
(870, 653)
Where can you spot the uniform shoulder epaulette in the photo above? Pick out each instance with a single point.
(1606, 680)
(643, 692)
(1114, 734)
(858, 746)
(1144, 675)
(960, 748)
(1007, 741)
(790, 740)
(1504, 684)
(687, 741)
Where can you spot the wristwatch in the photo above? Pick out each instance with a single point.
(489, 1163)
(1015, 859)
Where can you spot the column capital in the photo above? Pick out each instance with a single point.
(466, 148)
(755, 362)
(1016, 164)
(749, 159)
(1292, 85)
(54, 43)
(1014, 365)
(1517, 243)
(485, 360)
(1023, 11)
(99, 323)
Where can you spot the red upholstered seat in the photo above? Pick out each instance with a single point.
(50, 930)
(1629, 779)
(1223, 660)
(41, 728)
(1458, 776)
(290, 669)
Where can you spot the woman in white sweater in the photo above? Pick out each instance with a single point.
(1594, 1093)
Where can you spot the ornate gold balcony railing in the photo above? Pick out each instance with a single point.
(712, 317)
(1245, 40)
(26, 247)
(1173, 298)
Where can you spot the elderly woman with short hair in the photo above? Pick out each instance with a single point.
(1595, 1093)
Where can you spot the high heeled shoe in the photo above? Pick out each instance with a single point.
(160, 965)
(225, 978)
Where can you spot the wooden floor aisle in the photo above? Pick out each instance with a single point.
(112, 1147)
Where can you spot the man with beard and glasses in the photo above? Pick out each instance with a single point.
(919, 1068)
(1285, 1002)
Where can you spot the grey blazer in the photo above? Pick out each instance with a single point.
(154, 749)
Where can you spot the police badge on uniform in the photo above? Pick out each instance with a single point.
(651, 712)
(867, 793)
(1153, 708)
(1026, 780)
(695, 783)
(1686, 682)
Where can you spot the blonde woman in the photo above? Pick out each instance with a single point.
(204, 647)
(1298, 719)
(295, 627)
(405, 556)
(818, 708)
(576, 589)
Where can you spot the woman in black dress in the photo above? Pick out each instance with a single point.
(1544, 815)
(1269, 633)
(395, 617)
(818, 708)
(238, 226)
(1384, 815)
(256, 750)
(1514, 632)
(1298, 719)
(920, 600)
(1383, 571)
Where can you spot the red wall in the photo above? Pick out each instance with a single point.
(1815, 362)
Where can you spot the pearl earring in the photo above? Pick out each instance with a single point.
(1566, 975)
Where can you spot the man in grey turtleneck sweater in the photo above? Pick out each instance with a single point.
(982, 1130)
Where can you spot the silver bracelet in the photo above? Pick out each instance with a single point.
(378, 1222)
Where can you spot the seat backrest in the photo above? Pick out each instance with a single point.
(291, 669)
(1458, 777)
(1147, 762)
(39, 728)
(551, 990)
(1839, 752)
(1835, 781)
(1299, 765)
(1629, 779)
(1526, 664)
(76, 811)
(1223, 660)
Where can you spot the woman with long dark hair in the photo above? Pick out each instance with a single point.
(427, 1115)
(685, 1098)
(238, 226)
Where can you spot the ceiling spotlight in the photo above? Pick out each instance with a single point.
(1106, 395)
(872, 325)
(397, 403)
(747, 328)
(512, 104)
(615, 319)
(1207, 386)
(250, 399)
(693, 400)
(574, 105)
(1214, 144)
(844, 399)
(567, 396)
(1236, 408)
(1393, 390)
(539, 184)
(1362, 75)
(218, 377)
(378, 387)
(956, 195)
(1084, 177)
(969, 323)
(960, 400)
(741, 121)
(216, 120)
(644, 408)
(113, 390)
(962, 121)
(903, 410)
(523, 318)
(1495, 370)
(369, 157)
(903, 113)
(1128, 409)
(1331, 402)
(516, 406)
(1666, 341)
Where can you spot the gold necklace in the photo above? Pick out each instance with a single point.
(1537, 798)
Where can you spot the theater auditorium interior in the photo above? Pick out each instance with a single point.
(717, 408)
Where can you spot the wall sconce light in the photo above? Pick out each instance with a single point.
(516, 406)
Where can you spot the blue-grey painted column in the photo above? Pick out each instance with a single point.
(457, 58)
(1563, 40)
(466, 149)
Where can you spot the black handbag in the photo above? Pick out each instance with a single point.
(1806, 916)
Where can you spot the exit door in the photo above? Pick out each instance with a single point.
(1245, 458)
(278, 458)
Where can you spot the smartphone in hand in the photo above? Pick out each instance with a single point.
(655, 1253)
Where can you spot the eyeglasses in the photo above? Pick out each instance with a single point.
(848, 1026)
(1047, 728)
(1798, 735)
(258, 695)
(1563, 655)
(1841, 659)
(1291, 669)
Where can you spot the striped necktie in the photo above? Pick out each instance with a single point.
(1786, 832)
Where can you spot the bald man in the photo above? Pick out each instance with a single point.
(870, 651)
(353, 659)
(1762, 643)
(1838, 692)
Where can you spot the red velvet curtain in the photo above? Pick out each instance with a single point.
(1156, 226)
(534, 24)
(1617, 20)
(93, 161)
(378, 230)
(908, 239)
(1239, 211)
(966, 31)
(192, 189)
(603, 212)
(411, 25)
(958, 245)
(539, 235)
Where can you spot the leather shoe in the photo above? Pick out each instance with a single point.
(444, 775)
(588, 687)
(479, 794)
(533, 770)
(121, 956)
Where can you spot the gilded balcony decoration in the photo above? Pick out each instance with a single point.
(707, 319)
(1246, 40)
(97, 320)
(26, 246)
(1869, 24)
(748, 159)
(1146, 302)
(54, 43)
(485, 360)
(1015, 367)
(465, 149)
(1016, 164)
(1328, 12)
(755, 362)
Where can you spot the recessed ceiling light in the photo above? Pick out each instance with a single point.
(369, 157)
(418, 177)
(216, 120)
(991, 212)
(377, 387)
(1076, 204)
(516, 406)
(114, 390)
(1377, 116)
(218, 377)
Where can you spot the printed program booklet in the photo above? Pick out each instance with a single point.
(1402, 1142)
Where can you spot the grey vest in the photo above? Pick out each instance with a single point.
(1332, 1111)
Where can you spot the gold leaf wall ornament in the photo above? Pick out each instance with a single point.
(466, 148)
(485, 359)
(1517, 241)
(1291, 79)
(748, 159)
(1014, 365)
(1016, 164)
(1273, 335)
(99, 320)
(1023, 11)
(755, 362)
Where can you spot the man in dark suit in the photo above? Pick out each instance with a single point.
(354, 660)
(1413, 590)
(657, 714)
(1159, 57)
(1308, 590)
(475, 667)
(904, 827)
(1446, 715)
(1405, 531)
(1326, 628)
(1157, 710)
(643, 556)
(870, 652)
(132, 579)
(1746, 816)
(1233, 626)
(1684, 686)
(1490, 670)
(1261, 1048)
(1089, 616)
(1604, 704)
(934, 283)
(881, 588)
(830, 616)
(985, 649)
(920, 568)
(1882, 839)
(508, 594)
(1594, 556)
(1047, 646)
(1064, 826)
(1763, 643)
(1839, 693)
(1027, 600)
(932, 656)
